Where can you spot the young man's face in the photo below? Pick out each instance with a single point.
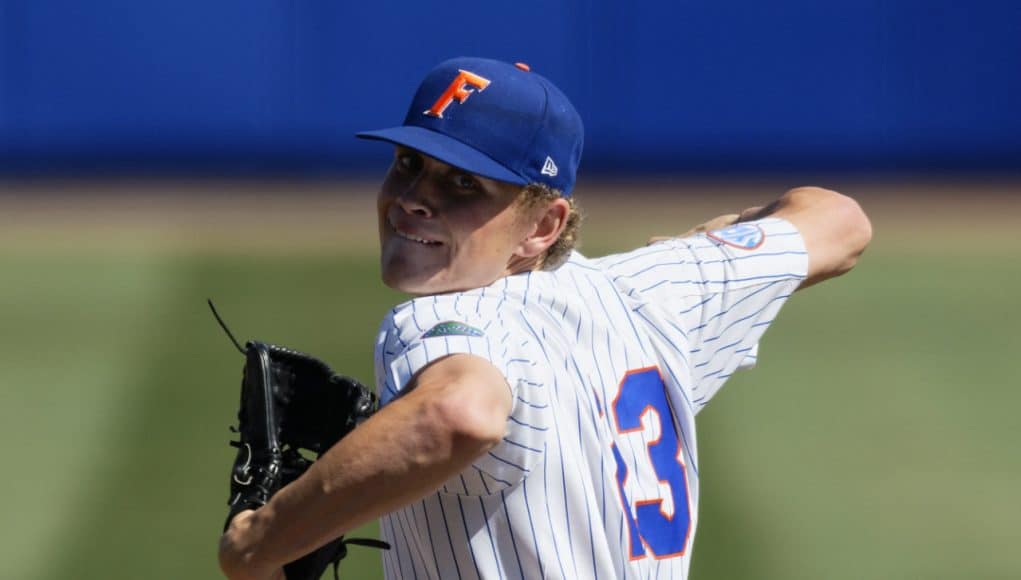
(442, 229)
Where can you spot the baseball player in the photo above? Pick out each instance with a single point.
(538, 415)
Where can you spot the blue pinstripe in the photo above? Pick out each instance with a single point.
(523, 424)
(649, 268)
(718, 351)
(563, 326)
(511, 534)
(588, 511)
(744, 318)
(758, 290)
(642, 254)
(563, 475)
(693, 282)
(531, 526)
(428, 529)
(414, 317)
(468, 536)
(396, 553)
(411, 562)
(756, 255)
(483, 475)
(532, 405)
(669, 341)
(549, 514)
(489, 533)
(567, 505)
(709, 298)
(511, 463)
(516, 444)
(414, 525)
(450, 539)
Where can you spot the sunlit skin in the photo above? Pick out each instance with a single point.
(442, 229)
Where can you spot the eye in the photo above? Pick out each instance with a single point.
(466, 182)
(407, 162)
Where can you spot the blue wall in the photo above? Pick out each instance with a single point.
(270, 86)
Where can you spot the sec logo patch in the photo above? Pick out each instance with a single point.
(453, 328)
(744, 236)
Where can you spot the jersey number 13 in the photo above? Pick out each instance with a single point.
(642, 396)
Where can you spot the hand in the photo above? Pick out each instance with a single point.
(713, 224)
(233, 561)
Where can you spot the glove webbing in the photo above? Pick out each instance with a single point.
(293, 457)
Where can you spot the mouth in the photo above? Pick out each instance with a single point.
(411, 237)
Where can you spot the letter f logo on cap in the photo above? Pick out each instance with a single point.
(457, 90)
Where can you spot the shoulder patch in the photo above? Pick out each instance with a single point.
(743, 236)
(452, 328)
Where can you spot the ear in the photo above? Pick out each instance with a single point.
(548, 224)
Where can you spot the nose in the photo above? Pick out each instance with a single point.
(413, 200)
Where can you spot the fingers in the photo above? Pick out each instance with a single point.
(240, 521)
(232, 547)
(752, 213)
(713, 224)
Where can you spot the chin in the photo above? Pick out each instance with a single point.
(416, 288)
(418, 283)
(402, 284)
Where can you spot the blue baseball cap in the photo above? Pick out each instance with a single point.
(493, 119)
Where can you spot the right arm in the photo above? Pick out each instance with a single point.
(725, 288)
(835, 228)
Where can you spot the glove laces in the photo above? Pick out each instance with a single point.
(342, 550)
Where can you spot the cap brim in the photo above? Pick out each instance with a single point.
(446, 149)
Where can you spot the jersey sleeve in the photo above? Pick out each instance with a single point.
(722, 289)
(422, 332)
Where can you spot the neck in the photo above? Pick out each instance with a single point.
(519, 264)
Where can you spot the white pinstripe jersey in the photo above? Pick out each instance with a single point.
(608, 361)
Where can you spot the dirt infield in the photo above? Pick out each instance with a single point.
(280, 216)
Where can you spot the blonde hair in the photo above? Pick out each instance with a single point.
(536, 194)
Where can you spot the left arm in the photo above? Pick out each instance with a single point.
(455, 410)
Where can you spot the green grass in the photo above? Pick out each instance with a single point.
(119, 388)
(877, 438)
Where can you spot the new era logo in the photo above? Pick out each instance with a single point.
(549, 168)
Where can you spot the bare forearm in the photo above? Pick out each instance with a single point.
(403, 453)
(396, 457)
(759, 212)
(835, 229)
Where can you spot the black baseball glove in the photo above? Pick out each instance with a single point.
(291, 403)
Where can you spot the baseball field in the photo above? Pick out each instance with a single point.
(878, 438)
